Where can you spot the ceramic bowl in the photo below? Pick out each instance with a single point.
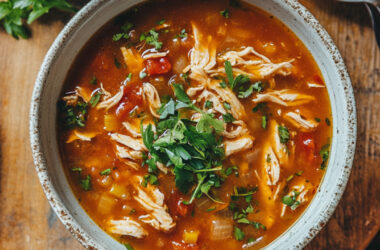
(97, 13)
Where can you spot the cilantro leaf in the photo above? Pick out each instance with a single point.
(239, 234)
(147, 135)
(284, 134)
(105, 172)
(229, 73)
(86, 183)
(207, 123)
(225, 13)
(183, 179)
(228, 118)
(324, 153)
(151, 37)
(180, 93)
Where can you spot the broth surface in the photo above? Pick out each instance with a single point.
(264, 187)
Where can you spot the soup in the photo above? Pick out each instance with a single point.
(194, 125)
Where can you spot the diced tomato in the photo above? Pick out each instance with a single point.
(184, 246)
(318, 80)
(157, 66)
(132, 98)
(177, 207)
(306, 146)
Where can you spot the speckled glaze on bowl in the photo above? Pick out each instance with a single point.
(98, 12)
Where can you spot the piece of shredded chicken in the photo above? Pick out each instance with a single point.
(132, 143)
(237, 128)
(126, 153)
(240, 144)
(300, 122)
(109, 102)
(151, 98)
(127, 227)
(272, 166)
(83, 136)
(152, 200)
(285, 97)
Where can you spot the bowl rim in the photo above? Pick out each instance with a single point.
(39, 156)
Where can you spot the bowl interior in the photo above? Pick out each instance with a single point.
(97, 13)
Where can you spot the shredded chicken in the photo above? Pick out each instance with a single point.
(84, 93)
(285, 97)
(191, 92)
(150, 55)
(127, 227)
(152, 98)
(302, 191)
(133, 143)
(299, 122)
(237, 109)
(76, 135)
(125, 153)
(131, 129)
(280, 149)
(315, 85)
(109, 102)
(217, 106)
(158, 216)
(71, 100)
(238, 145)
(272, 166)
(162, 167)
(238, 128)
(106, 94)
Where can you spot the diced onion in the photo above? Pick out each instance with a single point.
(221, 228)
(106, 204)
(110, 122)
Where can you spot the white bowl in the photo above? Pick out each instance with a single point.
(97, 13)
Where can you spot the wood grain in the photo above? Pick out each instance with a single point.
(26, 219)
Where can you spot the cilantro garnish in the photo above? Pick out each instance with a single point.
(239, 234)
(284, 134)
(86, 183)
(125, 32)
(151, 37)
(291, 200)
(225, 13)
(324, 153)
(72, 116)
(182, 34)
(128, 246)
(94, 80)
(192, 149)
(105, 172)
(95, 99)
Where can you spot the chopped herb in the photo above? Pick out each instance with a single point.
(185, 77)
(327, 120)
(72, 116)
(180, 93)
(208, 104)
(268, 159)
(259, 106)
(264, 120)
(125, 32)
(142, 74)
(132, 211)
(291, 200)
(106, 172)
(228, 118)
(149, 178)
(225, 13)
(237, 83)
(257, 86)
(94, 80)
(223, 84)
(210, 209)
(182, 34)
(95, 99)
(129, 77)
(284, 134)
(289, 178)
(239, 234)
(76, 170)
(207, 123)
(117, 63)
(162, 21)
(299, 173)
(227, 105)
(324, 153)
(151, 37)
(317, 119)
(86, 183)
(230, 170)
(250, 240)
(128, 246)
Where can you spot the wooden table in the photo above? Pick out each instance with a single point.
(26, 219)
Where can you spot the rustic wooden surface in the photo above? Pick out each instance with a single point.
(26, 219)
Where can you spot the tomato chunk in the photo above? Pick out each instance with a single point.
(132, 99)
(184, 246)
(177, 207)
(306, 145)
(157, 66)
